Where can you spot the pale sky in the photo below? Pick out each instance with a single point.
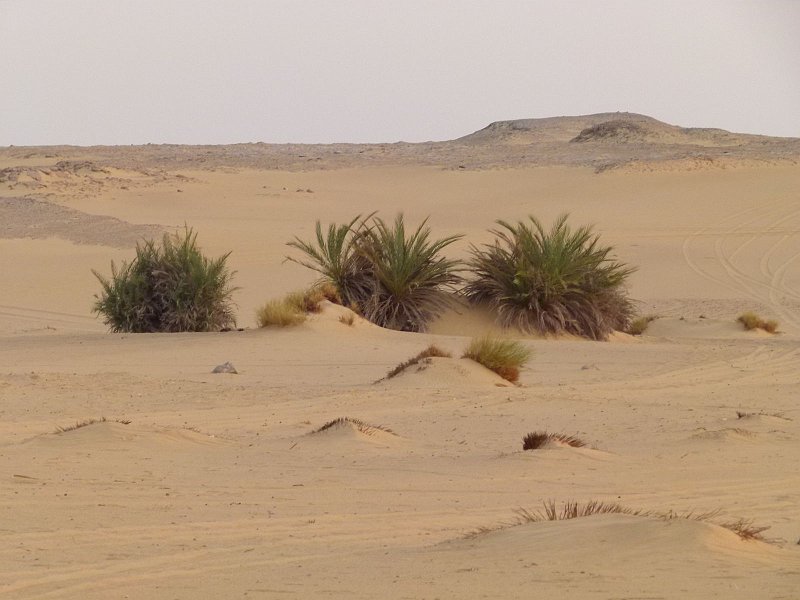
(201, 71)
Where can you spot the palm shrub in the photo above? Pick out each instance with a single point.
(395, 278)
(167, 288)
(562, 280)
(334, 255)
(410, 280)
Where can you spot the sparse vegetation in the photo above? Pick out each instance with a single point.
(538, 439)
(360, 425)
(280, 313)
(348, 319)
(168, 288)
(396, 279)
(751, 320)
(429, 352)
(617, 129)
(557, 281)
(746, 415)
(504, 357)
(574, 510)
(88, 422)
(308, 301)
(639, 325)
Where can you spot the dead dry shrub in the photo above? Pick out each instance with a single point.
(751, 320)
(639, 325)
(280, 313)
(538, 439)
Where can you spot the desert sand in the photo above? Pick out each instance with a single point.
(201, 485)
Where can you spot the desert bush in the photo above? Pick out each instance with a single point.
(168, 288)
(504, 357)
(751, 320)
(639, 325)
(431, 351)
(281, 313)
(395, 279)
(411, 281)
(554, 281)
(348, 319)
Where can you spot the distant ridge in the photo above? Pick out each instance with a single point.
(603, 141)
(615, 127)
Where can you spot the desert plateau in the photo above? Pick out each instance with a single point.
(129, 469)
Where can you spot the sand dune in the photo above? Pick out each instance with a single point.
(203, 485)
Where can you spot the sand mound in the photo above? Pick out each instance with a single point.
(437, 372)
(348, 432)
(728, 435)
(36, 219)
(764, 419)
(621, 537)
(115, 435)
(702, 329)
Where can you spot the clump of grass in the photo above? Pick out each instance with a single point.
(280, 313)
(573, 510)
(751, 320)
(556, 281)
(167, 288)
(360, 425)
(504, 357)
(745, 529)
(639, 325)
(538, 439)
(431, 351)
(87, 422)
(349, 319)
(397, 278)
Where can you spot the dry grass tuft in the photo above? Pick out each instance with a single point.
(308, 301)
(573, 510)
(348, 319)
(537, 439)
(280, 313)
(360, 425)
(88, 422)
(504, 357)
(745, 529)
(639, 325)
(751, 320)
(430, 352)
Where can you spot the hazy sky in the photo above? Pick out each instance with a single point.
(203, 71)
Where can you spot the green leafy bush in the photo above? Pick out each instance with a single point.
(167, 288)
(554, 281)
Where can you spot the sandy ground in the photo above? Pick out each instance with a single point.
(201, 485)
